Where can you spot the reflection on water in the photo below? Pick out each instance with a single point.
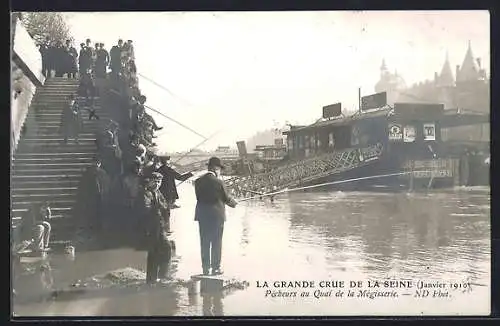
(315, 236)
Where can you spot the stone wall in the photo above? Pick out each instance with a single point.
(26, 75)
(22, 92)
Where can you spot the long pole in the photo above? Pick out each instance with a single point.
(166, 116)
(325, 184)
(359, 99)
(198, 145)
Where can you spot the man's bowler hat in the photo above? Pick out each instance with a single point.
(155, 176)
(215, 161)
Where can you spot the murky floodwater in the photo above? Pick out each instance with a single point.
(310, 236)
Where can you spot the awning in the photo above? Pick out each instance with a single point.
(453, 118)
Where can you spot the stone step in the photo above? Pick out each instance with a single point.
(66, 203)
(59, 105)
(34, 128)
(18, 167)
(56, 106)
(55, 141)
(41, 196)
(45, 169)
(57, 189)
(60, 210)
(56, 129)
(58, 120)
(46, 107)
(58, 116)
(61, 149)
(56, 178)
(54, 155)
(57, 94)
(58, 89)
(57, 136)
(18, 216)
(45, 133)
(48, 134)
(62, 83)
(19, 184)
(58, 113)
(61, 99)
(38, 147)
(50, 98)
(56, 161)
(18, 172)
(52, 140)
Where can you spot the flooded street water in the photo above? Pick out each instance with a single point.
(310, 236)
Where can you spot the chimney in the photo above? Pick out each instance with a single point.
(479, 62)
(457, 72)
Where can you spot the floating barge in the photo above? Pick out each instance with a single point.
(404, 140)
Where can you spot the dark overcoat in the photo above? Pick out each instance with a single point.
(212, 198)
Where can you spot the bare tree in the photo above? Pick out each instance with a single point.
(42, 24)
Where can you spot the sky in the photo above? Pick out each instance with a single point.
(236, 73)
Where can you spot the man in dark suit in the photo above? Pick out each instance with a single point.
(168, 187)
(115, 58)
(211, 196)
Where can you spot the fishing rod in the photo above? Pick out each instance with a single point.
(324, 184)
(191, 150)
(179, 123)
(165, 89)
(164, 115)
(201, 143)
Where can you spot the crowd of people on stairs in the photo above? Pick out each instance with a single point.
(128, 190)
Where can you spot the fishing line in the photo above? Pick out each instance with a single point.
(186, 154)
(165, 89)
(324, 184)
(164, 115)
(201, 143)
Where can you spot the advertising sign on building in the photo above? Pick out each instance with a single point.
(374, 101)
(429, 131)
(418, 110)
(242, 148)
(332, 110)
(409, 134)
(395, 132)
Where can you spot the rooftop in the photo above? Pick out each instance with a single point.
(344, 121)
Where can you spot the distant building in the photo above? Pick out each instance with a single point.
(271, 152)
(468, 90)
(391, 83)
(226, 150)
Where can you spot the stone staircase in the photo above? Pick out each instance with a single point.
(43, 167)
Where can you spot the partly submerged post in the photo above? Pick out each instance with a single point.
(193, 287)
(412, 175)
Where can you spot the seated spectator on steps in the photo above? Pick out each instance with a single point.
(36, 228)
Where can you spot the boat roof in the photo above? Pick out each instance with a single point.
(345, 120)
(456, 118)
(448, 119)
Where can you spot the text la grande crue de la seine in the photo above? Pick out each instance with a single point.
(393, 284)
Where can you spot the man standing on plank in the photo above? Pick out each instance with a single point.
(211, 196)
